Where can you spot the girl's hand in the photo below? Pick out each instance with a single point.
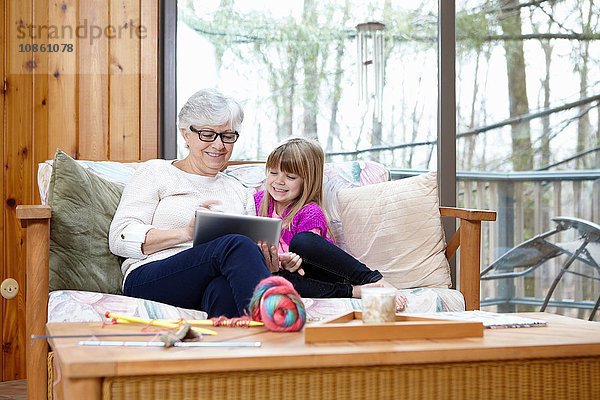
(271, 256)
(291, 262)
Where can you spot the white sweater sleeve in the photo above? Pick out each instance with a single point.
(133, 217)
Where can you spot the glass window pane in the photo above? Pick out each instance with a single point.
(302, 68)
(528, 143)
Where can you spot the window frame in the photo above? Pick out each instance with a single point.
(167, 80)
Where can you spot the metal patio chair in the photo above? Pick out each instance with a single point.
(533, 253)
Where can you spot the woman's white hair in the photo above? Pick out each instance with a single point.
(209, 107)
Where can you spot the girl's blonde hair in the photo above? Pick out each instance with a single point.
(302, 157)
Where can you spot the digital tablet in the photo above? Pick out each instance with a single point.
(210, 225)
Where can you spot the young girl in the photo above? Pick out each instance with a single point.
(294, 193)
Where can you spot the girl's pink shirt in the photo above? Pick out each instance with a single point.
(309, 218)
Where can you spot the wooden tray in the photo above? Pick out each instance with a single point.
(349, 327)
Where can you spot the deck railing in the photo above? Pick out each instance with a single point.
(526, 202)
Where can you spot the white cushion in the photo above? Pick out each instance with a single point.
(395, 227)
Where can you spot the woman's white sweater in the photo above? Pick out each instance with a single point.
(160, 195)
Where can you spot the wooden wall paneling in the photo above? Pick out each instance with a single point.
(41, 151)
(62, 82)
(124, 86)
(149, 79)
(96, 101)
(17, 177)
(92, 76)
(2, 230)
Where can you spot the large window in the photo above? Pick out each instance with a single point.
(363, 78)
(528, 92)
(304, 68)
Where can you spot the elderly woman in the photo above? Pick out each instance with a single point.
(154, 223)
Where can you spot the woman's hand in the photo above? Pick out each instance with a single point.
(291, 262)
(212, 205)
(160, 239)
(190, 229)
(271, 256)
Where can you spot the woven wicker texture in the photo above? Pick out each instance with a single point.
(570, 378)
(50, 364)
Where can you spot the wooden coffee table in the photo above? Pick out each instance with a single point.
(561, 360)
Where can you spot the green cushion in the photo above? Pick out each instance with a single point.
(83, 205)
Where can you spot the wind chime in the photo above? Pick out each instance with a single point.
(369, 47)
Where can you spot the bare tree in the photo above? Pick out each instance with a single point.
(310, 57)
(336, 90)
(467, 161)
(583, 123)
(546, 129)
(510, 21)
(295, 51)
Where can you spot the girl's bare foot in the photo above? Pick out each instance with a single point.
(401, 302)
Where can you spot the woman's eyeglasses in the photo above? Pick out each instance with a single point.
(208, 135)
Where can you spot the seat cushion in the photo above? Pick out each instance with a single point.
(395, 227)
(80, 306)
(419, 300)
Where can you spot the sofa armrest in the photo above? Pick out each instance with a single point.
(36, 222)
(468, 238)
(467, 213)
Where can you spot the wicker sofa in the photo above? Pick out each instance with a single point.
(36, 219)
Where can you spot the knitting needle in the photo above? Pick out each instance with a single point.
(208, 322)
(168, 325)
(162, 344)
(92, 336)
(136, 320)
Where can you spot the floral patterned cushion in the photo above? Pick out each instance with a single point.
(80, 306)
(419, 300)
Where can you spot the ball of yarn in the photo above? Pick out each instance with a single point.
(276, 303)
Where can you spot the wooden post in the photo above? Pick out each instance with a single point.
(469, 242)
(36, 221)
(469, 267)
